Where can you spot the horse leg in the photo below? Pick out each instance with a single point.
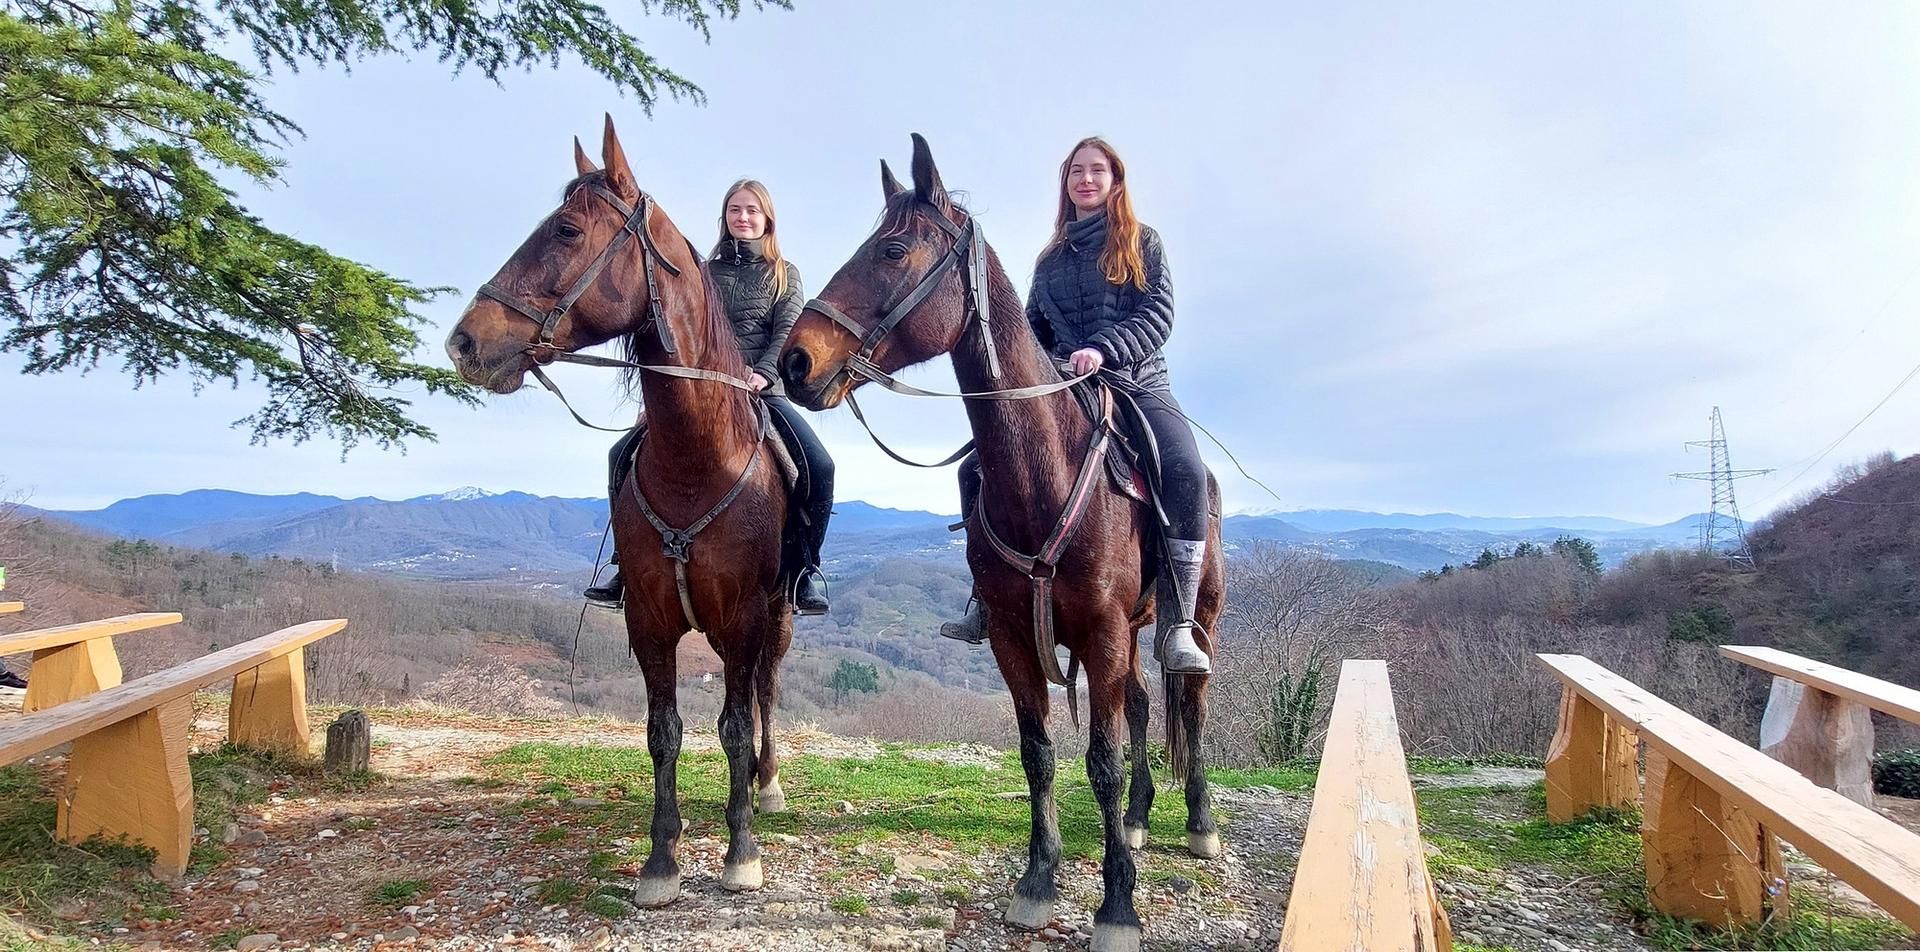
(1140, 786)
(659, 881)
(742, 660)
(1034, 894)
(1203, 836)
(766, 683)
(1116, 924)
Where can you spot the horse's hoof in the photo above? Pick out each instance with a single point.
(652, 892)
(1116, 938)
(1030, 914)
(1203, 845)
(742, 877)
(1136, 837)
(772, 798)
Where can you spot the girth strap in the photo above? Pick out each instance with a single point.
(677, 544)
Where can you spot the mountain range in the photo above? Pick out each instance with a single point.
(472, 534)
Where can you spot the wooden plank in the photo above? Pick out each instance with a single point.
(1870, 852)
(269, 708)
(8, 608)
(74, 634)
(130, 778)
(1901, 702)
(31, 733)
(1593, 761)
(70, 672)
(1362, 880)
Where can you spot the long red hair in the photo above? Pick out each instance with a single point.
(1120, 260)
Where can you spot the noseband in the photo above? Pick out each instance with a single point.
(549, 319)
(968, 245)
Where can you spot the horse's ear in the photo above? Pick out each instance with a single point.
(926, 178)
(619, 174)
(581, 164)
(889, 186)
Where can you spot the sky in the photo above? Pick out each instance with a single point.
(1488, 258)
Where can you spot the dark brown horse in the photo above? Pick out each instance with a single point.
(609, 264)
(1030, 451)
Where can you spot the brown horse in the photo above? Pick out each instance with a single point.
(911, 292)
(578, 281)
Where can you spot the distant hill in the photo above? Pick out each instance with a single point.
(471, 534)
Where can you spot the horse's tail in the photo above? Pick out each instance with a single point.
(1177, 717)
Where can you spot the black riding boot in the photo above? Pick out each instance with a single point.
(609, 594)
(972, 627)
(810, 589)
(613, 592)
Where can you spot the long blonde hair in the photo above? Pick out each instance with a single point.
(1120, 260)
(769, 245)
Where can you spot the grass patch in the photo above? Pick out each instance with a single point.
(1493, 830)
(39, 874)
(361, 823)
(892, 794)
(398, 892)
(906, 897)
(1294, 777)
(602, 863)
(848, 905)
(955, 894)
(552, 834)
(606, 906)
(557, 892)
(227, 939)
(1814, 922)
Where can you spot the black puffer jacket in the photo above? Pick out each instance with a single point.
(1073, 305)
(761, 320)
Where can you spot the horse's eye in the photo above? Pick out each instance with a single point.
(895, 250)
(565, 231)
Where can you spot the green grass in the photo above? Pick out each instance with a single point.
(892, 794)
(1485, 833)
(552, 834)
(557, 892)
(606, 906)
(399, 892)
(39, 874)
(227, 939)
(906, 897)
(848, 905)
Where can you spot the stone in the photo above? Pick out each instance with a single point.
(913, 864)
(349, 744)
(1180, 884)
(251, 838)
(246, 886)
(600, 939)
(586, 802)
(256, 942)
(249, 872)
(403, 934)
(229, 833)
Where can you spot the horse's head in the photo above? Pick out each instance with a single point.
(584, 277)
(920, 233)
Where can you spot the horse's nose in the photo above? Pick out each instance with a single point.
(459, 345)
(796, 368)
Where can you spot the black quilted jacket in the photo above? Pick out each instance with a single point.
(761, 322)
(1072, 305)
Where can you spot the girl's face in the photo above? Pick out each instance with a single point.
(746, 220)
(1089, 180)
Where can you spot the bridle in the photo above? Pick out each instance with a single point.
(549, 319)
(969, 246)
(544, 350)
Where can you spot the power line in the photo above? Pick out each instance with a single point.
(1915, 372)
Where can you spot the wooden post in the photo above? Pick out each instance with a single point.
(1825, 737)
(1706, 858)
(269, 709)
(69, 672)
(1592, 762)
(131, 778)
(349, 744)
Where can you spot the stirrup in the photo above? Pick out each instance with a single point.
(1179, 653)
(800, 582)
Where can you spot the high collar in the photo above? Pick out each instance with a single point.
(742, 250)
(1089, 233)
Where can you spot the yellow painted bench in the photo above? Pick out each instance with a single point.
(1362, 881)
(73, 661)
(128, 771)
(1714, 808)
(1819, 717)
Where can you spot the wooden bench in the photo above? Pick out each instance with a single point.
(1713, 807)
(1818, 718)
(1362, 881)
(128, 771)
(8, 608)
(73, 661)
